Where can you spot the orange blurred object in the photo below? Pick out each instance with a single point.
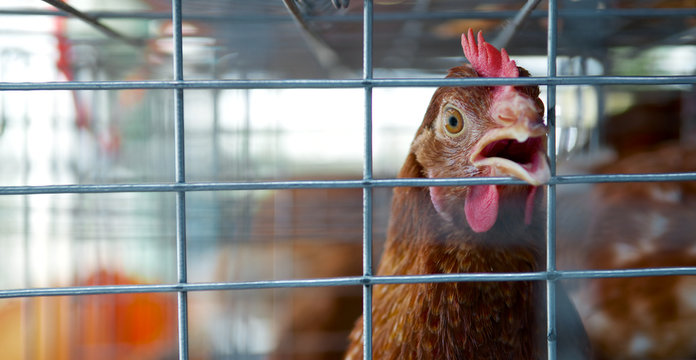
(119, 326)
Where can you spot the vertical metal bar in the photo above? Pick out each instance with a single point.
(367, 40)
(367, 175)
(27, 308)
(180, 170)
(551, 340)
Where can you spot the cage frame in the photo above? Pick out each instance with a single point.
(180, 186)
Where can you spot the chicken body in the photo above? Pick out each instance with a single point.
(467, 132)
(634, 226)
(451, 320)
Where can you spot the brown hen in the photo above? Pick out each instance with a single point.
(470, 132)
(634, 226)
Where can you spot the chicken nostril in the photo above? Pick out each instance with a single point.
(506, 118)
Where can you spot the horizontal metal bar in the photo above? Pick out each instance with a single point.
(348, 281)
(508, 14)
(348, 83)
(622, 273)
(379, 17)
(329, 184)
(617, 178)
(269, 185)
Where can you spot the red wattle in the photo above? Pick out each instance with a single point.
(481, 207)
(529, 206)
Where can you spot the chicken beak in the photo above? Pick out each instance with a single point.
(518, 147)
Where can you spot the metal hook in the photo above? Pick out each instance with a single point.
(511, 26)
(340, 4)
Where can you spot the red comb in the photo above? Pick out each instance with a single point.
(486, 59)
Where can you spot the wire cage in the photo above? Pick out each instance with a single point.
(211, 179)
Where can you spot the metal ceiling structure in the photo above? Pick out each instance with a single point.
(409, 34)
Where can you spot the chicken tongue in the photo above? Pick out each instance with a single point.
(481, 207)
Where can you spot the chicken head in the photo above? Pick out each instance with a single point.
(484, 131)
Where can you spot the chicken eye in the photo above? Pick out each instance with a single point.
(454, 122)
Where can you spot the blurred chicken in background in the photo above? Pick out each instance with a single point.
(637, 225)
(321, 231)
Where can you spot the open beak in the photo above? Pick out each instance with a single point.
(518, 148)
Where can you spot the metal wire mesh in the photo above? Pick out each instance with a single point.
(181, 187)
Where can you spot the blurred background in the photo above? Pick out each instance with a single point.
(127, 136)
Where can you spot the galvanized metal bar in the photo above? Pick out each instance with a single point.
(180, 175)
(332, 184)
(347, 83)
(348, 281)
(551, 330)
(367, 177)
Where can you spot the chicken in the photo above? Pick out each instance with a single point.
(470, 132)
(639, 225)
